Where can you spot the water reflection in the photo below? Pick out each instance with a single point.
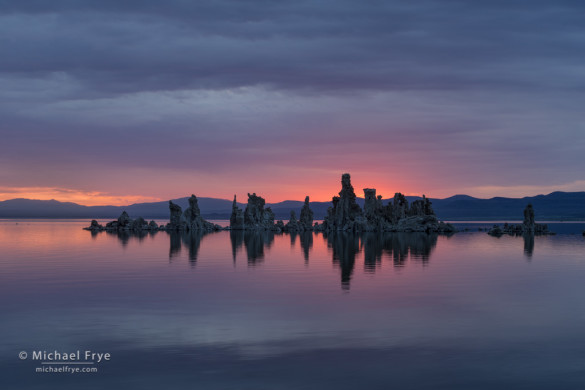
(246, 327)
(188, 239)
(528, 245)
(344, 247)
(237, 240)
(306, 244)
(417, 246)
(398, 246)
(175, 249)
(255, 242)
(372, 244)
(527, 238)
(125, 236)
(293, 238)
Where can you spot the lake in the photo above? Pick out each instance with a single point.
(243, 310)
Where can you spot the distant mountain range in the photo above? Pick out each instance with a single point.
(554, 206)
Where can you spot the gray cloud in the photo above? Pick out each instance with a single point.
(473, 87)
(323, 46)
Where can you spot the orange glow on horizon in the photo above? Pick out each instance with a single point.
(85, 198)
(96, 198)
(319, 188)
(316, 187)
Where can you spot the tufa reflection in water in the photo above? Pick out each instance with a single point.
(189, 239)
(344, 246)
(306, 239)
(177, 239)
(254, 242)
(124, 236)
(400, 247)
(528, 244)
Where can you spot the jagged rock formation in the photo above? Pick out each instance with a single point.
(305, 223)
(192, 213)
(421, 207)
(528, 223)
(292, 225)
(279, 226)
(254, 213)
(528, 226)
(398, 207)
(191, 219)
(124, 219)
(94, 225)
(124, 223)
(194, 220)
(306, 219)
(370, 203)
(373, 210)
(176, 219)
(346, 215)
(237, 217)
(254, 217)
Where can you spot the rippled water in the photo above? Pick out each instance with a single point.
(235, 310)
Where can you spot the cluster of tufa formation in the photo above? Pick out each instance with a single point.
(528, 226)
(124, 223)
(397, 216)
(190, 220)
(257, 217)
(304, 223)
(254, 217)
(344, 215)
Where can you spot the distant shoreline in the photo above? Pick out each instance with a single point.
(557, 206)
(211, 218)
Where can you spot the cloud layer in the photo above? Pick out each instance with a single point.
(215, 97)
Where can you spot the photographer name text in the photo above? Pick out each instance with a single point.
(77, 356)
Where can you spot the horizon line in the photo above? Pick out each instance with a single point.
(282, 201)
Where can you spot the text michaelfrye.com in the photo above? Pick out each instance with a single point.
(66, 362)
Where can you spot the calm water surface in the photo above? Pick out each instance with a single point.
(306, 311)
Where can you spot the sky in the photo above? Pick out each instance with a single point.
(117, 102)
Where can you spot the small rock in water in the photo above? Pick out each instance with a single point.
(528, 226)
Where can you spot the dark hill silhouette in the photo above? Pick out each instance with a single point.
(554, 206)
